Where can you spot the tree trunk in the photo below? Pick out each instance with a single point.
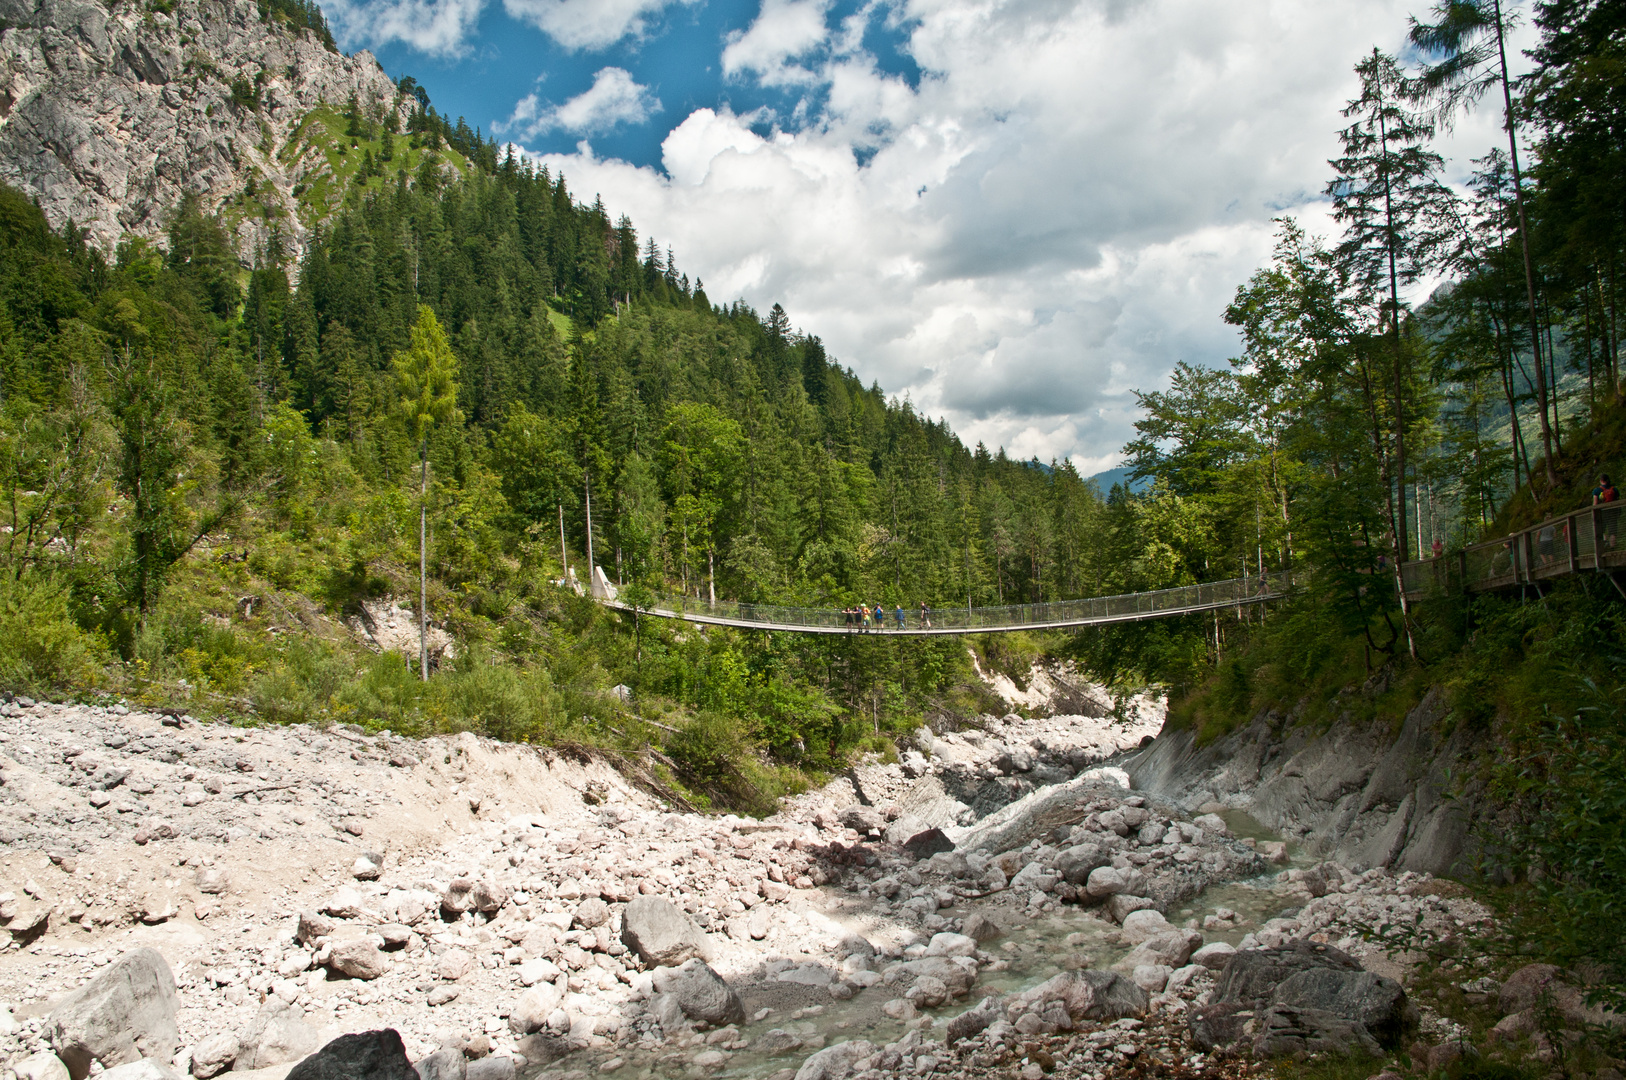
(423, 559)
(1524, 246)
(564, 557)
(1397, 508)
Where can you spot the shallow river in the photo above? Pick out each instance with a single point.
(1032, 950)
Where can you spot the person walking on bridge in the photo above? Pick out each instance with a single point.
(1605, 494)
(900, 617)
(925, 616)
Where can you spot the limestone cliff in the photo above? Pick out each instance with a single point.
(109, 113)
(1358, 793)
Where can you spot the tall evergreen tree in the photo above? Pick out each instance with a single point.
(426, 373)
(1468, 45)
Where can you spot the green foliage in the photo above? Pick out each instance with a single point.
(42, 648)
(426, 374)
(305, 14)
(1565, 784)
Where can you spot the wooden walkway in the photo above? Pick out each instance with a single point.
(1096, 611)
(1583, 541)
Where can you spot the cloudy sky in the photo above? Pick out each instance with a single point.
(1016, 212)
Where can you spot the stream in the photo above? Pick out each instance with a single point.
(1029, 952)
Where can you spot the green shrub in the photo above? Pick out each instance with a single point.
(386, 693)
(299, 682)
(498, 700)
(42, 648)
(1565, 786)
(712, 753)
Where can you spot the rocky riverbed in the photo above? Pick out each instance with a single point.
(996, 900)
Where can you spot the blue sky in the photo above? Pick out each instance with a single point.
(1016, 213)
(673, 54)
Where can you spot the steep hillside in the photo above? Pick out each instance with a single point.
(110, 114)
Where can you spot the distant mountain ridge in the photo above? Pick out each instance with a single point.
(1120, 475)
(111, 113)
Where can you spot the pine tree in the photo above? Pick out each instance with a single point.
(1395, 213)
(1469, 42)
(426, 374)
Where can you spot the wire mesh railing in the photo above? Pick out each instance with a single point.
(1207, 596)
(1582, 540)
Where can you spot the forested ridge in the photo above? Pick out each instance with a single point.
(211, 469)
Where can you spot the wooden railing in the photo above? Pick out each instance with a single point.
(1580, 541)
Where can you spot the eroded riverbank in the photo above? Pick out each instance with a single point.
(479, 898)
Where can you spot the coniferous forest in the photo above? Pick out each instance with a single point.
(212, 468)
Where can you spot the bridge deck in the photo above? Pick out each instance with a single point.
(1095, 611)
(1583, 541)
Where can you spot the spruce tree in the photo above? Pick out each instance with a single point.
(1396, 214)
(1469, 47)
(426, 374)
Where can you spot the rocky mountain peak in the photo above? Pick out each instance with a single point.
(111, 113)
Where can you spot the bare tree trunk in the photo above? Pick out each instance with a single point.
(423, 559)
(1524, 246)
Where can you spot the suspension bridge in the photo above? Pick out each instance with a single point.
(1583, 541)
(1095, 611)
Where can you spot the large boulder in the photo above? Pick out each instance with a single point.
(215, 1054)
(1302, 998)
(1086, 995)
(358, 958)
(1172, 948)
(863, 819)
(124, 1014)
(835, 1062)
(41, 1066)
(492, 1067)
(973, 1021)
(980, 928)
(1285, 1031)
(928, 842)
(1105, 881)
(592, 912)
(1144, 923)
(369, 1055)
(313, 925)
(447, 1063)
(1374, 1002)
(1525, 986)
(958, 974)
(1075, 864)
(531, 1012)
(701, 993)
(1251, 975)
(660, 933)
(277, 1036)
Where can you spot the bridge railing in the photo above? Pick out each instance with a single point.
(1101, 609)
(1586, 539)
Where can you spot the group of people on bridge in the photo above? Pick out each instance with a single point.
(862, 617)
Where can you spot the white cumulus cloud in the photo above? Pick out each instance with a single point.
(1056, 214)
(783, 31)
(614, 98)
(436, 27)
(589, 24)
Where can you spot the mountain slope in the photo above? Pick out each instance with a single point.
(109, 115)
